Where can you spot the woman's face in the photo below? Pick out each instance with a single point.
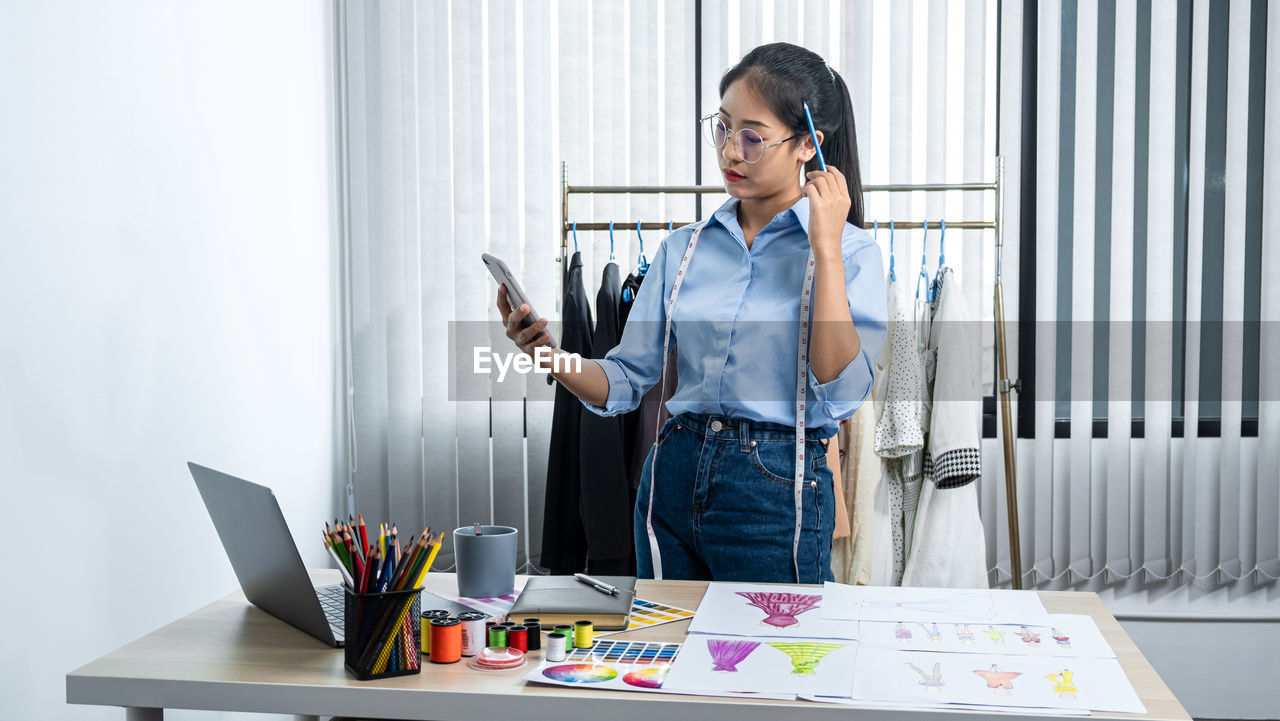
(778, 170)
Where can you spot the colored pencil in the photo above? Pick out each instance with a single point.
(342, 569)
(364, 536)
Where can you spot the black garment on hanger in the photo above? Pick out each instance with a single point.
(564, 542)
(639, 426)
(607, 497)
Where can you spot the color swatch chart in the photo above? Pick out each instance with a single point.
(647, 613)
(639, 653)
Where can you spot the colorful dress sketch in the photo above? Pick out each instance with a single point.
(805, 655)
(1063, 639)
(1001, 681)
(997, 636)
(902, 633)
(964, 635)
(1029, 637)
(932, 681)
(933, 634)
(1062, 684)
(781, 609)
(726, 655)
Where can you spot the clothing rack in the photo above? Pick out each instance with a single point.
(1003, 384)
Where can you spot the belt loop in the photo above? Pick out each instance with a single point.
(744, 434)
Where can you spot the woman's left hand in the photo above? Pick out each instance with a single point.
(829, 203)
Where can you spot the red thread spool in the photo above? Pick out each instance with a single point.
(518, 638)
(446, 640)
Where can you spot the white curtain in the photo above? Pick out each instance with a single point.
(458, 115)
(1155, 242)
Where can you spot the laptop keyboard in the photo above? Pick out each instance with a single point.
(331, 600)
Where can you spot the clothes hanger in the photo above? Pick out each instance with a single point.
(924, 274)
(575, 236)
(942, 256)
(611, 241)
(642, 261)
(893, 273)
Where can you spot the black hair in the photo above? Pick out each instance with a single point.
(786, 75)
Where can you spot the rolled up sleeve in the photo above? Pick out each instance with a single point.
(633, 366)
(840, 397)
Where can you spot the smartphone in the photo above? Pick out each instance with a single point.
(515, 294)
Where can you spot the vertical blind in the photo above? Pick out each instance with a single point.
(1155, 338)
(458, 116)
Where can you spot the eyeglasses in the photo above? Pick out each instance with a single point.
(747, 141)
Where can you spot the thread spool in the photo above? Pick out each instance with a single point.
(518, 638)
(531, 622)
(583, 635)
(446, 640)
(535, 635)
(556, 642)
(568, 636)
(425, 628)
(497, 636)
(474, 633)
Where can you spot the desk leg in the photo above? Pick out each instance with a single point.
(133, 713)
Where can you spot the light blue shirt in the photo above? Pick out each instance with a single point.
(736, 324)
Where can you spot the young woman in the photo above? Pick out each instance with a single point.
(725, 494)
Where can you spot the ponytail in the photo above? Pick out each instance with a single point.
(786, 76)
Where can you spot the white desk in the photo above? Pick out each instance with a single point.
(230, 656)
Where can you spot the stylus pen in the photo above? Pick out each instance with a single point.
(809, 119)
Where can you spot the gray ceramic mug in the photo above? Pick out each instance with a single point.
(487, 562)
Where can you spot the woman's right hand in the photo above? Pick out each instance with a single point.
(527, 339)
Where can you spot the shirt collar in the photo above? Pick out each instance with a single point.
(727, 215)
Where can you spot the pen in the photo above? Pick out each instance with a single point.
(809, 118)
(598, 585)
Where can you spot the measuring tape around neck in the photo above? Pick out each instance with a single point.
(802, 368)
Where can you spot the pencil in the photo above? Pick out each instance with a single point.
(340, 548)
(407, 569)
(364, 536)
(350, 546)
(435, 548)
(346, 577)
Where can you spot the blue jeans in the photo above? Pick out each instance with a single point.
(725, 507)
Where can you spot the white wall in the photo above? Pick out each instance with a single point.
(165, 263)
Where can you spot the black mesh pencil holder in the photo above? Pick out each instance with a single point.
(383, 635)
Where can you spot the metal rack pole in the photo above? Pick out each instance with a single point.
(1004, 387)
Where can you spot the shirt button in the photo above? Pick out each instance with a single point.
(813, 484)
(716, 426)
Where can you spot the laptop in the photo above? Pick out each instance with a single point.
(266, 560)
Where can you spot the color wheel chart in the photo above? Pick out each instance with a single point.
(614, 665)
(580, 673)
(638, 653)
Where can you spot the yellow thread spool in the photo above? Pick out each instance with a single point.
(583, 635)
